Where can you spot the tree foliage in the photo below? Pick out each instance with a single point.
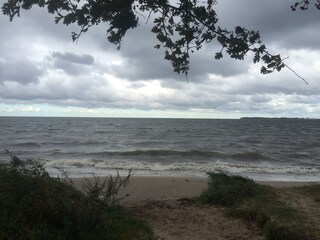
(181, 26)
(304, 5)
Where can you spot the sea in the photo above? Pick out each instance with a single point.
(259, 148)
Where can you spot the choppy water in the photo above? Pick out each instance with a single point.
(266, 149)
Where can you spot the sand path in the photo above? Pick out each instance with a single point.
(186, 220)
(307, 206)
(154, 199)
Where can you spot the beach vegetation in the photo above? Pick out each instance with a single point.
(34, 205)
(263, 205)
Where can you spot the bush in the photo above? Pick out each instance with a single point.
(35, 206)
(252, 202)
(226, 190)
(105, 190)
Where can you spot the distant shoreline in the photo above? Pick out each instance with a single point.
(169, 118)
(279, 118)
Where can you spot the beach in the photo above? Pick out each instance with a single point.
(167, 204)
(148, 188)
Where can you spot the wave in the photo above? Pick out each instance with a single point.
(156, 152)
(27, 144)
(249, 156)
(193, 168)
(160, 153)
(169, 152)
(201, 155)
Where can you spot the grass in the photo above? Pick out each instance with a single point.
(35, 206)
(252, 202)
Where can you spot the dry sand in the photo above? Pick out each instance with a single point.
(166, 204)
(145, 188)
(186, 220)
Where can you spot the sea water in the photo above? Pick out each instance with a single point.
(262, 149)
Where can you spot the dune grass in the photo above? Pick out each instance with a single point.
(35, 206)
(263, 205)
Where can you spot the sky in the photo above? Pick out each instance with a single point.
(43, 73)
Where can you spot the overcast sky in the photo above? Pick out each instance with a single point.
(43, 73)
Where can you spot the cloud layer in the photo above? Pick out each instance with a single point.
(41, 66)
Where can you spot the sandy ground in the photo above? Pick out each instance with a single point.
(143, 188)
(186, 220)
(166, 204)
(308, 207)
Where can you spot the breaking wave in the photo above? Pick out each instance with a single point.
(85, 167)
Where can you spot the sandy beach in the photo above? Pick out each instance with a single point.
(166, 204)
(147, 188)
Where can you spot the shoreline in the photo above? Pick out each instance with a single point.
(152, 188)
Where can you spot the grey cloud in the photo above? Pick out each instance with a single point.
(34, 24)
(275, 21)
(191, 97)
(260, 98)
(82, 81)
(203, 63)
(300, 99)
(48, 91)
(71, 63)
(278, 25)
(23, 71)
(266, 88)
(38, 21)
(143, 62)
(84, 59)
(137, 85)
(173, 84)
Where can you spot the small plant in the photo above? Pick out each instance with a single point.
(105, 189)
(99, 189)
